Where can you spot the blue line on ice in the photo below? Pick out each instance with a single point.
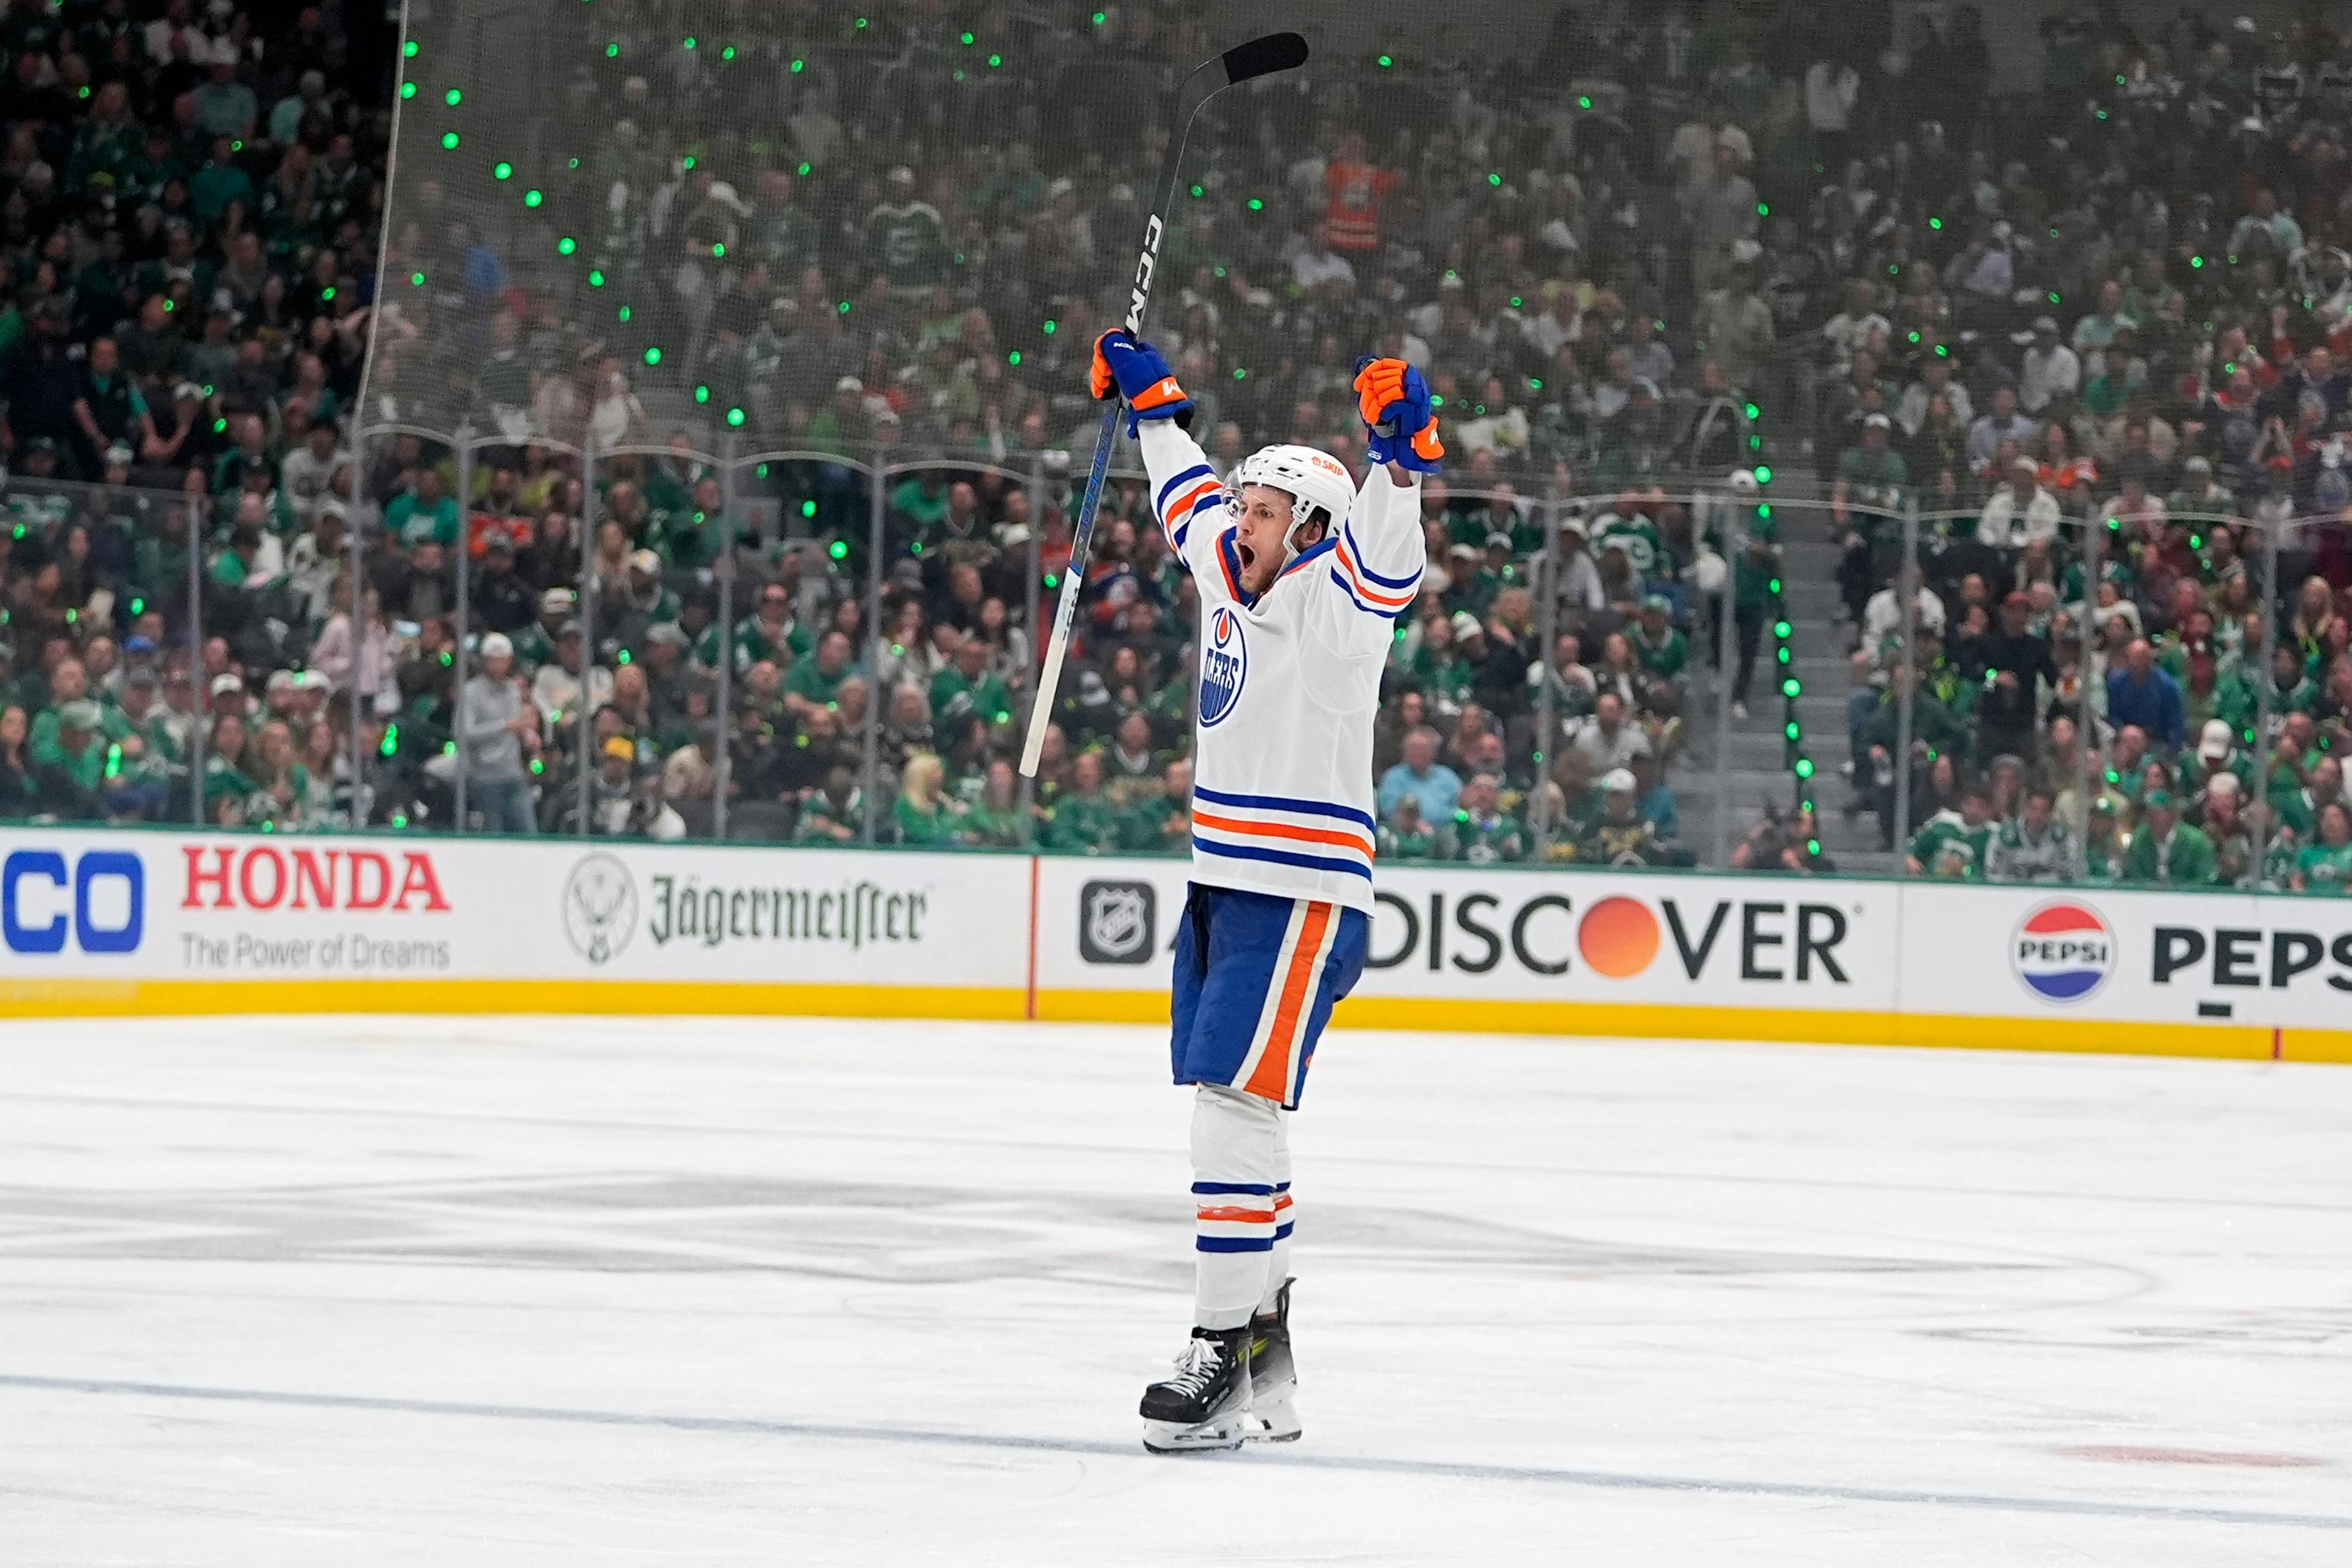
(1361, 1464)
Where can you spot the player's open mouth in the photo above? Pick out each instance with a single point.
(1248, 557)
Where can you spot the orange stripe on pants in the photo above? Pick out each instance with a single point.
(1272, 1079)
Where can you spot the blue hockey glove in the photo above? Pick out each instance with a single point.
(1138, 373)
(1399, 425)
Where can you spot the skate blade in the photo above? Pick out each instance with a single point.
(1275, 1422)
(1222, 1435)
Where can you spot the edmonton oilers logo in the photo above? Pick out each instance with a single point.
(1224, 665)
(2062, 950)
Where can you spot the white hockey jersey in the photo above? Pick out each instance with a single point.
(1289, 680)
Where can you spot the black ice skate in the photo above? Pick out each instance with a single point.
(1273, 1376)
(1206, 1404)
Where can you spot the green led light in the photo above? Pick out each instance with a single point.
(1535, 383)
(1763, 474)
(1493, 179)
(573, 164)
(596, 278)
(1200, 191)
(1754, 412)
(687, 161)
(2196, 261)
(1764, 509)
(729, 53)
(702, 395)
(533, 198)
(449, 140)
(454, 97)
(1012, 358)
(717, 247)
(2054, 297)
(417, 279)
(1804, 767)
(502, 170)
(138, 606)
(1812, 846)
(1763, 209)
(803, 170)
(1051, 326)
(1052, 579)
(626, 312)
(1101, 17)
(408, 89)
(326, 295)
(844, 307)
(734, 417)
(566, 246)
(839, 549)
(1936, 224)
(612, 50)
(1790, 728)
(1782, 654)
(1240, 373)
(1773, 586)
(653, 355)
(1791, 687)
(995, 60)
(1780, 628)
(1584, 103)
(409, 48)
(967, 41)
(799, 66)
(861, 21)
(1915, 335)
(1516, 301)
(1384, 61)
(690, 41)
(1257, 206)
(808, 508)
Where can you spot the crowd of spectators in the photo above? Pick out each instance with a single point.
(1698, 246)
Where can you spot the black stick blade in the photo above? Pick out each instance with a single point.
(1263, 57)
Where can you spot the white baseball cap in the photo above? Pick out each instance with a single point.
(498, 645)
(2216, 739)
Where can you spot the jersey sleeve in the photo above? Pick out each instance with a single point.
(1375, 565)
(1188, 499)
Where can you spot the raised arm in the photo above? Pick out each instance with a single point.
(1379, 556)
(1184, 485)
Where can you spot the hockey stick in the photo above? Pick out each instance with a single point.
(1243, 62)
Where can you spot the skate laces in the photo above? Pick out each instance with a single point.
(1198, 1365)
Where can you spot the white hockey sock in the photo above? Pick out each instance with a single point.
(1237, 1141)
(1285, 1215)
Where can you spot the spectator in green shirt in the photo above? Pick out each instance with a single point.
(429, 511)
(1663, 650)
(2166, 850)
(922, 812)
(967, 688)
(2325, 867)
(995, 820)
(1406, 835)
(815, 682)
(1483, 832)
(1953, 844)
(1158, 816)
(1083, 820)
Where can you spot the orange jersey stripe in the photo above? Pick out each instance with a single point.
(1282, 830)
(1272, 1079)
(1182, 505)
(1386, 598)
(1252, 1217)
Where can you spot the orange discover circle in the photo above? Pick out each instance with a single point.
(1618, 938)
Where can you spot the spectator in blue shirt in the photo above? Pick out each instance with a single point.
(2141, 694)
(1423, 777)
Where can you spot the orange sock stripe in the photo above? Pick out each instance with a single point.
(1272, 1079)
(1242, 1217)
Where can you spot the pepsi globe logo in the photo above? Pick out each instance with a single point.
(1224, 665)
(2062, 950)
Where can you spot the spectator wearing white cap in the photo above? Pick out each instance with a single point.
(2051, 368)
(495, 727)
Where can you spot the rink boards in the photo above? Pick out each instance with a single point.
(163, 922)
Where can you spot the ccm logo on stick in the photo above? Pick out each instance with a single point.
(2251, 959)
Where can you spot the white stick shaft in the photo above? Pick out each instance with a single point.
(1049, 681)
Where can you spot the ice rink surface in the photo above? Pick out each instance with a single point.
(564, 1292)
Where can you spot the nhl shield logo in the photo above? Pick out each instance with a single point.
(1224, 666)
(1118, 922)
(600, 907)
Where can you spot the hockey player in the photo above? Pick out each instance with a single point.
(1300, 575)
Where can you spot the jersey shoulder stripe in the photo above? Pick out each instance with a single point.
(1181, 479)
(1385, 614)
(1356, 554)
